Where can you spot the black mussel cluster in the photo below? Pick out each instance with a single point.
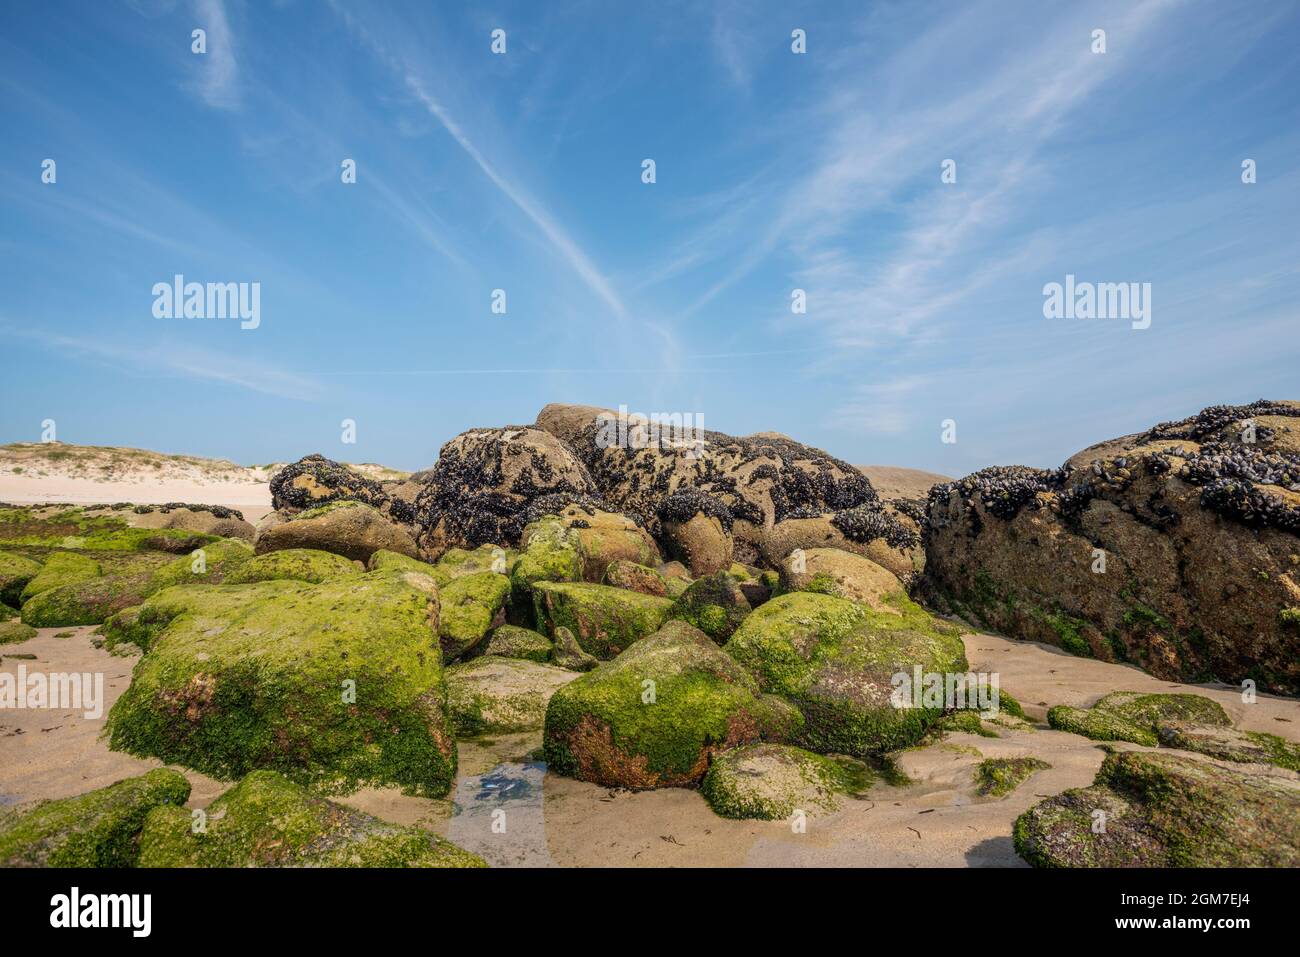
(1230, 475)
(343, 483)
(464, 493)
(866, 523)
(218, 511)
(1210, 421)
(683, 505)
(1002, 489)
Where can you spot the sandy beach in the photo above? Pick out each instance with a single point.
(937, 821)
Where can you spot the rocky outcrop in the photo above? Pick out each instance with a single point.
(1177, 549)
(745, 488)
(1149, 809)
(488, 484)
(315, 480)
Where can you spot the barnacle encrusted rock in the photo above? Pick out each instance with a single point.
(1164, 810)
(268, 821)
(336, 685)
(485, 481)
(835, 660)
(100, 828)
(746, 484)
(1177, 549)
(315, 480)
(655, 715)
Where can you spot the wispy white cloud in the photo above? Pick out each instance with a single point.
(218, 68)
(158, 359)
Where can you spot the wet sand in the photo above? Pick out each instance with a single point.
(508, 809)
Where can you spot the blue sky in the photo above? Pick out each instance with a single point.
(522, 172)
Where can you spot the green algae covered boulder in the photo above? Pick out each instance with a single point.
(61, 568)
(1149, 710)
(655, 715)
(268, 821)
(455, 562)
(569, 654)
(335, 685)
(835, 660)
(1134, 716)
(770, 782)
(1230, 744)
(384, 560)
(15, 572)
(13, 632)
(293, 564)
(714, 604)
(1152, 809)
(604, 620)
(7, 613)
(86, 602)
(77, 528)
(998, 777)
(511, 641)
(1100, 725)
(548, 554)
(634, 577)
(472, 605)
(208, 565)
(492, 695)
(96, 829)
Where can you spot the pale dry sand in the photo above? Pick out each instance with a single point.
(64, 490)
(513, 813)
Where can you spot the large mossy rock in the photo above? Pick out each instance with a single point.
(293, 564)
(769, 782)
(472, 605)
(86, 602)
(715, 604)
(1199, 524)
(1135, 717)
(97, 829)
(835, 660)
(1163, 810)
(268, 821)
(351, 529)
(511, 641)
(336, 685)
(15, 572)
(208, 565)
(634, 577)
(491, 695)
(548, 554)
(655, 715)
(1230, 744)
(604, 620)
(60, 569)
